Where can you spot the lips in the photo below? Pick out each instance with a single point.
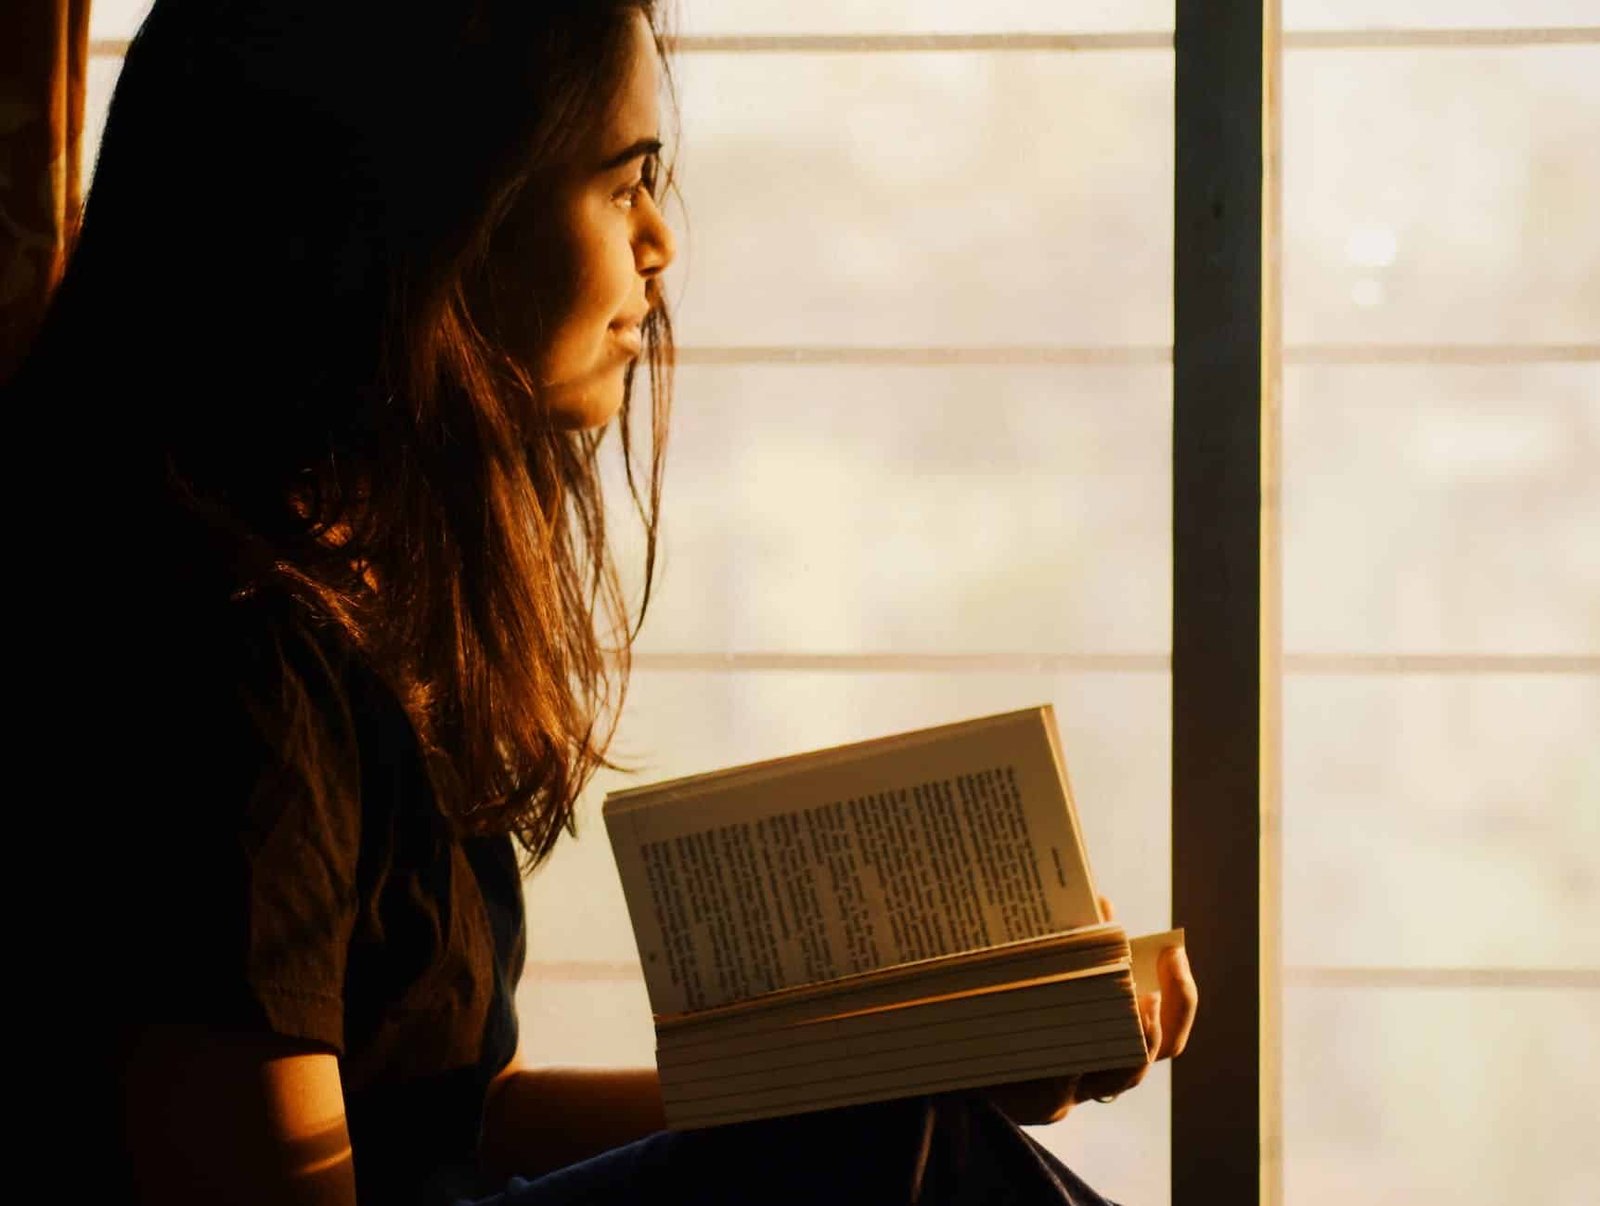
(629, 335)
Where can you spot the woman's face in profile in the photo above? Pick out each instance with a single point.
(604, 239)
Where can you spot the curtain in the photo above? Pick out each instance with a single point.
(43, 59)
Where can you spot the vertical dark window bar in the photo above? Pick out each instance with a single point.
(1226, 1144)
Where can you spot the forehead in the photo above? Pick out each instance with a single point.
(633, 112)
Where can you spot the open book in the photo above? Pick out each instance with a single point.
(906, 915)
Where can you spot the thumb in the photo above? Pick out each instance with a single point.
(1150, 1020)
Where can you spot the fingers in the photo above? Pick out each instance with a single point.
(1166, 1017)
(1150, 1017)
(1106, 911)
(1097, 1086)
(1112, 1081)
(1036, 1102)
(1179, 999)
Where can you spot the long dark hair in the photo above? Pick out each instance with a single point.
(267, 322)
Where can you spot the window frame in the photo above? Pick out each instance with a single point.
(1226, 1142)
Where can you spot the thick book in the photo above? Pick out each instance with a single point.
(906, 915)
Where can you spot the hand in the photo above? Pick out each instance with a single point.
(1167, 1017)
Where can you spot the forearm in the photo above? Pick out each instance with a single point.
(539, 1119)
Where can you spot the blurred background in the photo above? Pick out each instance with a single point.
(921, 467)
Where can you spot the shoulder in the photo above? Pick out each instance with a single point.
(237, 831)
(210, 730)
(242, 691)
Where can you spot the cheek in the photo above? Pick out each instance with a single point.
(605, 271)
(599, 285)
(534, 275)
(566, 271)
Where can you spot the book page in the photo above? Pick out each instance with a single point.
(1144, 951)
(865, 857)
(1089, 951)
(1017, 1033)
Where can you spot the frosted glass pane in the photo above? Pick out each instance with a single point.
(1115, 734)
(1432, 14)
(1122, 1149)
(950, 198)
(1442, 196)
(116, 18)
(1442, 820)
(1433, 509)
(935, 510)
(1475, 1098)
(99, 80)
(920, 16)
(593, 1023)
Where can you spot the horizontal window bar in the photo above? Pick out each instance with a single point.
(902, 663)
(1441, 353)
(1446, 39)
(1305, 39)
(1587, 978)
(1058, 663)
(1308, 39)
(1135, 354)
(914, 42)
(920, 356)
(1440, 663)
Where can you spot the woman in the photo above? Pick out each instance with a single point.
(359, 290)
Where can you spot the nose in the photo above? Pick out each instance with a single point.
(654, 245)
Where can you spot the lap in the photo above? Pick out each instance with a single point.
(944, 1151)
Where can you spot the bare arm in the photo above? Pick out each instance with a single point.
(539, 1119)
(248, 1119)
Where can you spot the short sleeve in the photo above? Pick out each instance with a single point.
(237, 890)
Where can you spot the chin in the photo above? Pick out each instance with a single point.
(593, 409)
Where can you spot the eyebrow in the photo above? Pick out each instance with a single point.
(644, 146)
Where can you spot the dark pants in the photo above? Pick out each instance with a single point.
(944, 1151)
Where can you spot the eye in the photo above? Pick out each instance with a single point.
(628, 196)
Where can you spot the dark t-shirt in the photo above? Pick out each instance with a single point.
(287, 870)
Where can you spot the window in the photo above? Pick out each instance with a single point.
(1441, 579)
